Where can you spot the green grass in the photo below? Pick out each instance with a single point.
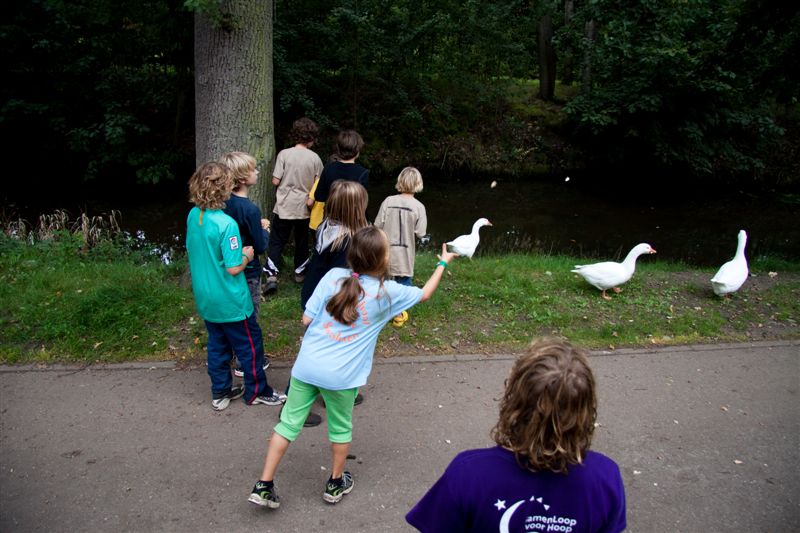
(61, 304)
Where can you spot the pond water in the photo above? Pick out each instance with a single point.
(559, 217)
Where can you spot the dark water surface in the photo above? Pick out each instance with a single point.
(559, 217)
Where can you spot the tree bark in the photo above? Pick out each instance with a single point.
(547, 59)
(233, 89)
(567, 69)
(591, 35)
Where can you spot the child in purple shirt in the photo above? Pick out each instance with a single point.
(541, 476)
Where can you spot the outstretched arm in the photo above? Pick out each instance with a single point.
(433, 282)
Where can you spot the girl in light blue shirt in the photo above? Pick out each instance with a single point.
(344, 315)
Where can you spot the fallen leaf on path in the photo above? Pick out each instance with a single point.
(737, 462)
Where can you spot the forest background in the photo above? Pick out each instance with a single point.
(701, 91)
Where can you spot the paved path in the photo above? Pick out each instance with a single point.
(707, 438)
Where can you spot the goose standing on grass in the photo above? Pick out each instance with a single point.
(609, 275)
(465, 244)
(732, 274)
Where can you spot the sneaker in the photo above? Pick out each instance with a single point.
(400, 319)
(218, 404)
(312, 420)
(277, 398)
(239, 373)
(264, 496)
(359, 399)
(335, 490)
(271, 286)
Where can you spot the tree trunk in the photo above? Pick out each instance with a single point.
(591, 35)
(567, 53)
(233, 89)
(547, 59)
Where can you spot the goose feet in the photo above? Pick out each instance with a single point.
(616, 290)
(604, 295)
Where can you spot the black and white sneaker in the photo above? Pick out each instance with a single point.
(239, 373)
(218, 404)
(277, 398)
(271, 285)
(335, 489)
(264, 495)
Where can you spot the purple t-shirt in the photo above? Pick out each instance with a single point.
(485, 490)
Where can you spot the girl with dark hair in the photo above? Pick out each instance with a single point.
(541, 476)
(345, 315)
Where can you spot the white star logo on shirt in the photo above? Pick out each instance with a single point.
(501, 504)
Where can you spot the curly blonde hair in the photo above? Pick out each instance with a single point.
(549, 407)
(211, 185)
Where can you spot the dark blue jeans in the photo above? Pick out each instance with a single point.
(244, 339)
(404, 280)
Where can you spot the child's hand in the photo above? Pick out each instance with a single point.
(310, 202)
(446, 256)
(249, 253)
(264, 223)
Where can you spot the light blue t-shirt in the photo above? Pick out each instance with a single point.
(213, 244)
(335, 356)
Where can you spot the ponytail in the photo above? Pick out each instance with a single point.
(343, 306)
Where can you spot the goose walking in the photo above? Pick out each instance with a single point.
(610, 275)
(466, 244)
(732, 275)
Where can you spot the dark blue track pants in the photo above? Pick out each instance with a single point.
(244, 339)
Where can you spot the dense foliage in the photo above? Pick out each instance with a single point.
(103, 88)
(693, 85)
(690, 87)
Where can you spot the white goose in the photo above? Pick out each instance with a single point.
(465, 244)
(732, 274)
(609, 275)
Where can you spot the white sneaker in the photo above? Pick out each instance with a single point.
(223, 402)
(276, 399)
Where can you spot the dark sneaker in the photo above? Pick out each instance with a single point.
(277, 398)
(313, 419)
(359, 399)
(336, 489)
(264, 496)
(218, 404)
(271, 286)
(239, 373)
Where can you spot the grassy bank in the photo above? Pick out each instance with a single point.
(62, 302)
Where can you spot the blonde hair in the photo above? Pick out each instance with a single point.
(409, 181)
(240, 163)
(347, 207)
(549, 407)
(210, 185)
(368, 254)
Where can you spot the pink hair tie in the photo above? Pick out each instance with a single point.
(354, 274)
